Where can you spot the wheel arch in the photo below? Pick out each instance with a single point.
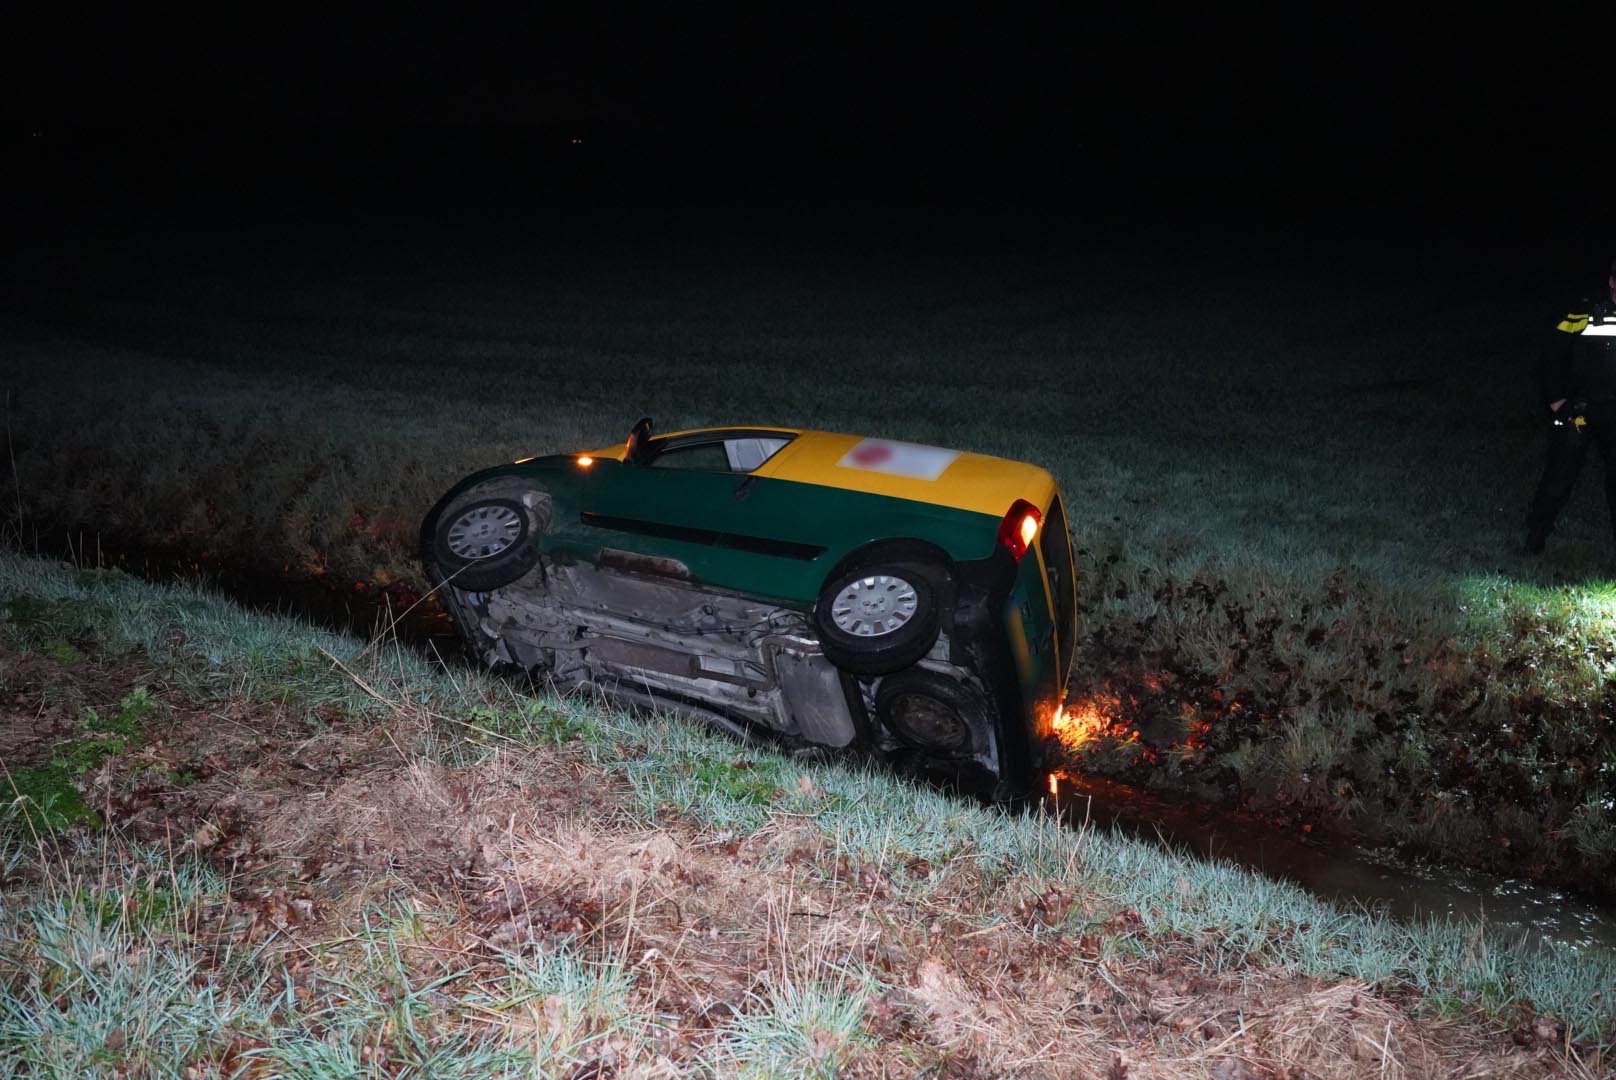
(902, 550)
(523, 492)
(540, 477)
(909, 551)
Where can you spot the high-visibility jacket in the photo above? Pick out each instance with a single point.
(1579, 364)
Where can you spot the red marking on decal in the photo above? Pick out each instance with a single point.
(872, 454)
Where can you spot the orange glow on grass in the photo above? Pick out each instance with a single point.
(1054, 784)
(1079, 723)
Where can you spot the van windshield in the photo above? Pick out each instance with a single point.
(1055, 545)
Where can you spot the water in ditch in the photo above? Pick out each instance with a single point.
(1377, 879)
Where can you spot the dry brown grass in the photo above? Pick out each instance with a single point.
(525, 850)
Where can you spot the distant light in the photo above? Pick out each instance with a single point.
(576, 141)
(1054, 784)
(584, 461)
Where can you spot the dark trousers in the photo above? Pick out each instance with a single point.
(1568, 449)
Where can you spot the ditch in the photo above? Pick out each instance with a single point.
(1404, 887)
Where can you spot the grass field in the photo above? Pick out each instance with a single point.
(238, 846)
(1296, 482)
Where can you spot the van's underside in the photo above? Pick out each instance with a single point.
(642, 633)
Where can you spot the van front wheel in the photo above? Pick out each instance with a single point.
(487, 536)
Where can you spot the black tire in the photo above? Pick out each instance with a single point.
(487, 536)
(932, 713)
(887, 629)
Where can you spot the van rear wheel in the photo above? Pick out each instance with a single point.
(930, 712)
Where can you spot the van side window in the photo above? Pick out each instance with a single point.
(708, 457)
(747, 454)
(740, 454)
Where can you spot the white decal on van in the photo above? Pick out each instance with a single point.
(899, 459)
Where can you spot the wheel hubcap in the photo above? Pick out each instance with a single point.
(871, 606)
(483, 531)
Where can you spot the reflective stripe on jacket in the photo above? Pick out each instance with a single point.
(1580, 362)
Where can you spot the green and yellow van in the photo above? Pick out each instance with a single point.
(812, 588)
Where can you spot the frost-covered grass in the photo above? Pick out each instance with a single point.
(93, 987)
(1208, 914)
(1325, 445)
(93, 990)
(799, 1028)
(1258, 426)
(1217, 915)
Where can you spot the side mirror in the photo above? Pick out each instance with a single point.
(638, 436)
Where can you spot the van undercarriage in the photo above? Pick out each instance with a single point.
(643, 633)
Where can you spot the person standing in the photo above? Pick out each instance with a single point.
(1577, 380)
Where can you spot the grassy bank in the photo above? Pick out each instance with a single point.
(1295, 486)
(309, 856)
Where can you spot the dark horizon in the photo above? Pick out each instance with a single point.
(1296, 115)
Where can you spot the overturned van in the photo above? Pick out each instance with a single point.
(814, 588)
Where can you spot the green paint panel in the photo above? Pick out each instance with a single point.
(710, 508)
(1038, 624)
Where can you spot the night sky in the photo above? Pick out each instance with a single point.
(1204, 114)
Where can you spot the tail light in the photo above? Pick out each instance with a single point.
(1019, 527)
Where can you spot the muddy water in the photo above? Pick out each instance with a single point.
(1375, 879)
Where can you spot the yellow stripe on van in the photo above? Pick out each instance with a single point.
(1573, 324)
